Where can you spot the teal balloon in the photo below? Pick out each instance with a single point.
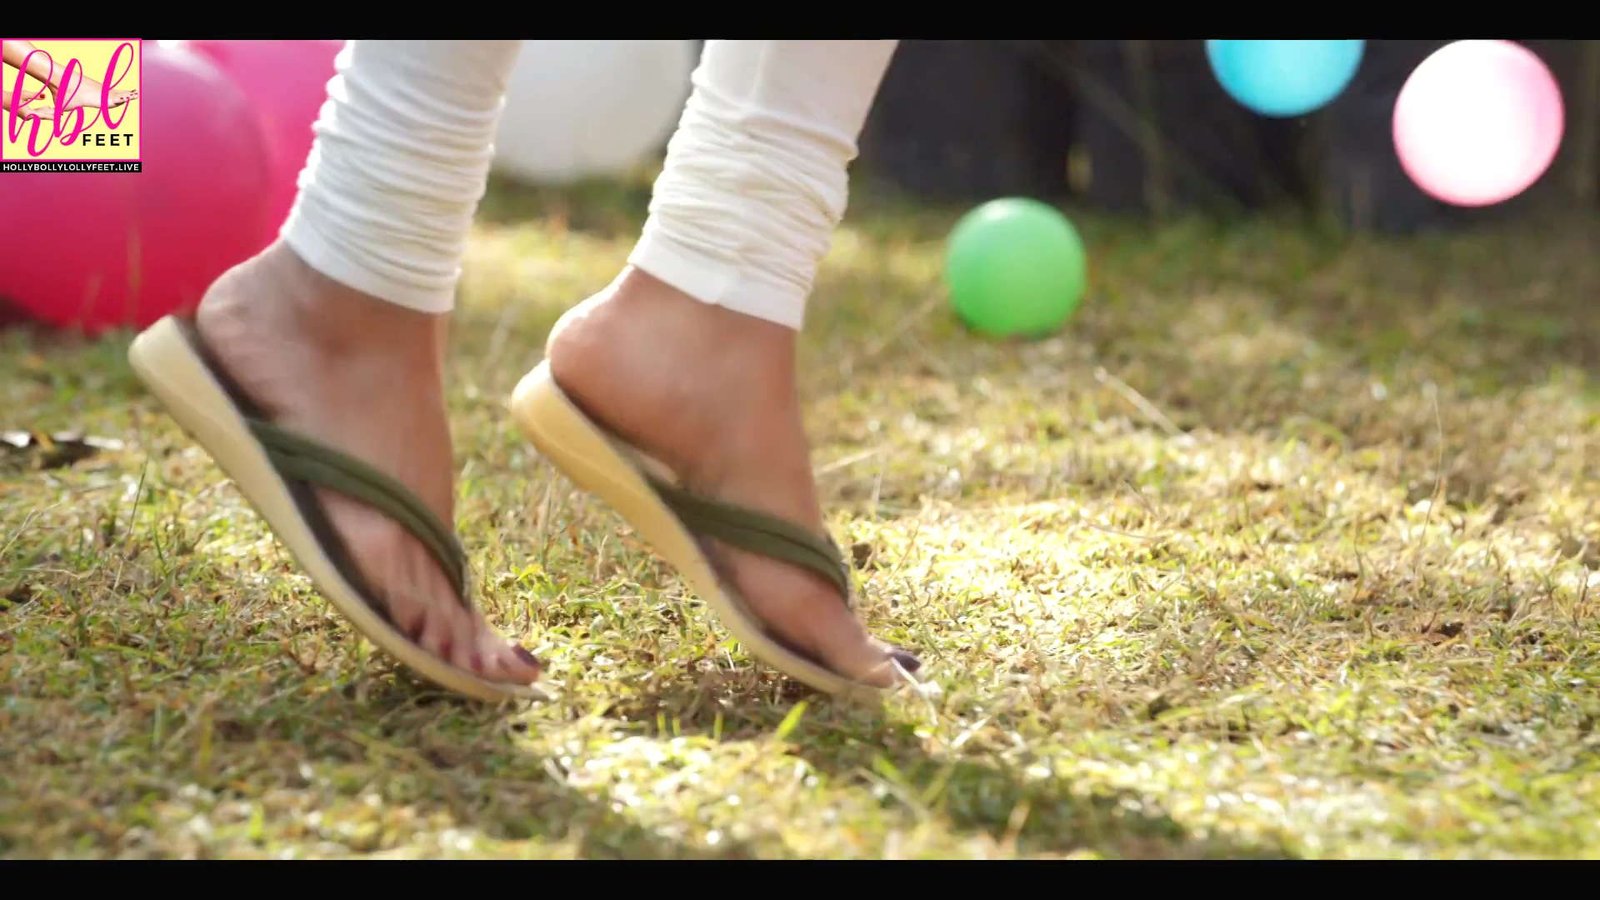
(1285, 78)
(1015, 268)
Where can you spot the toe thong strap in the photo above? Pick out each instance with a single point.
(299, 458)
(758, 532)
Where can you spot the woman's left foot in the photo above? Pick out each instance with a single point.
(88, 95)
(711, 394)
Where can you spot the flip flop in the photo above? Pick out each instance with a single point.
(674, 521)
(277, 471)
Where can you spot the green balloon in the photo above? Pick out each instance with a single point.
(1015, 268)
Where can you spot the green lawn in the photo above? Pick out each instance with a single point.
(1287, 546)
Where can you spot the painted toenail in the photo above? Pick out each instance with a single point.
(907, 661)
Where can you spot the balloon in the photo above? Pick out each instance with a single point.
(1284, 78)
(102, 250)
(287, 83)
(1478, 122)
(580, 109)
(1015, 267)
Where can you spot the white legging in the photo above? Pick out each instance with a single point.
(754, 184)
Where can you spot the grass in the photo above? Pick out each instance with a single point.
(1286, 547)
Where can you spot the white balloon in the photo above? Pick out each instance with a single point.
(583, 109)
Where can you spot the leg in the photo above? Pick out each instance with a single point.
(690, 353)
(87, 92)
(337, 330)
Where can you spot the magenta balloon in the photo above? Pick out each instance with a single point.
(287, 82)
(1478, 122)
(104, 250)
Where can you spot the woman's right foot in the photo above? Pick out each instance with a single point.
(364, 377)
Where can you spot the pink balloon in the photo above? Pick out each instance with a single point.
(1478, 122)
(105, 250)
(287, 83)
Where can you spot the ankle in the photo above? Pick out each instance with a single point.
(279, 292)
(642, 319)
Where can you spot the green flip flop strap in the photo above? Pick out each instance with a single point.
(757, 532)
(301, 458)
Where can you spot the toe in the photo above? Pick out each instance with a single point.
(808, 613)
(462, 648)
(422, 604)
(506, 661)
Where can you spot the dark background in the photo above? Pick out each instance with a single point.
(1143, 127)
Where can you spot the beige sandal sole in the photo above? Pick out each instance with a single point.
(595, 462)
(167, 363)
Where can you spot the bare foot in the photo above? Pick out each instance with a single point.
(711, 393)
(365, 377)
(88, 93)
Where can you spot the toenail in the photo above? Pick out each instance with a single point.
(525, 656)
(907, 661)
